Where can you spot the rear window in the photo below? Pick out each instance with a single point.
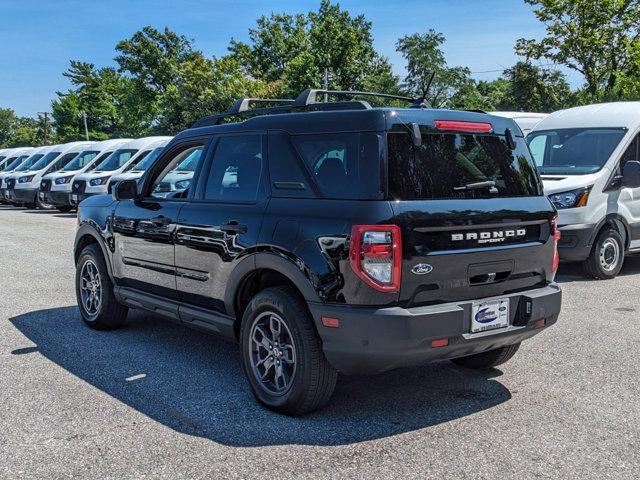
(343, 165)
(449, 166)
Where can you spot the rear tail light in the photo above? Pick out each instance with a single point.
(461, 126)
(375, 255)
(556, 238)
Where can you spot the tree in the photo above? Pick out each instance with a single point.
(593, 38)
(18, 131)
(293, 52)
(425, 57)
(533, 89)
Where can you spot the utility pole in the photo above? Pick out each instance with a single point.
(326, 78)
(46, 126)
(83, 115)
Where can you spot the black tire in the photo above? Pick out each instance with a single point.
(64, 208)
(108, 314)
(313, 379)
(487, 360)
(29, 206)
(601, 263)
(42, 205)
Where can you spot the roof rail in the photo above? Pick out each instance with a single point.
(242, 104)
(309, 97)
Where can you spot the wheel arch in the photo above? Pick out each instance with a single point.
(617, 222)
(87, 235)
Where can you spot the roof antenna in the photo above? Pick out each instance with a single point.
(420, 101)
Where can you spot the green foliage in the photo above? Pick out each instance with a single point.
(596, 39)
(18, 131)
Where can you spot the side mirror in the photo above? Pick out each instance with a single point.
(125, 190)
(631, 174)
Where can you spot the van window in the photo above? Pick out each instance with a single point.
(116, 160)
(445, 163)
(573, 151)
(81, 160)
(343, 165)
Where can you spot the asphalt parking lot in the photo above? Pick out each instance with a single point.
(158, 400)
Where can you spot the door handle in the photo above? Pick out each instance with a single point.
(233, 227)
(161, 220)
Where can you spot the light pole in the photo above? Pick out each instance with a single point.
(326, 78)
(83, 115)
(46, 126)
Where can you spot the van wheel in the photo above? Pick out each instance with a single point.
(282, 355)
(490, 359)
(43, 205)
(94, 292)
(607, 256)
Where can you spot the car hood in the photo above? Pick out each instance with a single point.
(564, 183)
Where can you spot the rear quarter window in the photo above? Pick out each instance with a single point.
(446, 162)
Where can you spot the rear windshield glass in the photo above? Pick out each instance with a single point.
(34, 163)
(116, 160)
(459, 166)
(344, 165)
(81, 160)
(574, 151)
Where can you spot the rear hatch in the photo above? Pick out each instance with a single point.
(469, 203)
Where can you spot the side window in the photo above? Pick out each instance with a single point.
(236, 172)
(174, 181)
(537, 147)
(631, 153)
(287, 175)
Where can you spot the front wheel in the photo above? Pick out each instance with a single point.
(43, 205)
(282, 355)
(487, 360)
(607, 256)
(94, 291)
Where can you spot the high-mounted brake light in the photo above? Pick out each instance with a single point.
(375, 255)
(556, 238)
(462, 126)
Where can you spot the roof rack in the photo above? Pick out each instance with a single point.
(305, 102)
(309, 97)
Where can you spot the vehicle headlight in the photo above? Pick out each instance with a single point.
(183, 184)
(25, 179)
(63, 180)
(99, 181)
(571, 199)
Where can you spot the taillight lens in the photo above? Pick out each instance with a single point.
(375, 255)
(462, 126)
(556, 238)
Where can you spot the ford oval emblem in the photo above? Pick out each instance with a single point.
(422, 269)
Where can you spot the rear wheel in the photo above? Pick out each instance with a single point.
(607, 256)
(490, 359)
(282, 355)
(94, 292)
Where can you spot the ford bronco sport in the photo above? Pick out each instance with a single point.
(332, 237)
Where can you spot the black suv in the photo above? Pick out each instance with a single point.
(332, 237)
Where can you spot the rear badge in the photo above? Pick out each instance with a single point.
(422, 269)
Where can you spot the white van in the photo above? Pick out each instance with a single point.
(15, 157)
(95, 182)
(55, 187)
(525, 120)
(24, 190)
(134, 172)
(589, 161)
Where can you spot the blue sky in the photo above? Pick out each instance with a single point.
(38, 38)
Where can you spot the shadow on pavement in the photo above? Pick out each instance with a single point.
(193, 383)
(572, 272)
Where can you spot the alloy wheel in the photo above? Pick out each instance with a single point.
(90, 288)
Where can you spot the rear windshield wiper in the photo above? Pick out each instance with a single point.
(476, 186)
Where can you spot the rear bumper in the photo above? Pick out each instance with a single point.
(21, 195)
(575, 241)
(375, 340)
(57, 198)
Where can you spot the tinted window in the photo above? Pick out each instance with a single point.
(237, 169)
(99, 160)
(148, 160)
(343, 165)
(288, 178)
(573, 150)
(445, 163)
(116, 160)
(174, 181)
(141, 156)
(12, 163)
(39, 163)
(81, 160)
(62, 161)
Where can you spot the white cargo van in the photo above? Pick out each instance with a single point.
(525, 120)
(590, 165)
